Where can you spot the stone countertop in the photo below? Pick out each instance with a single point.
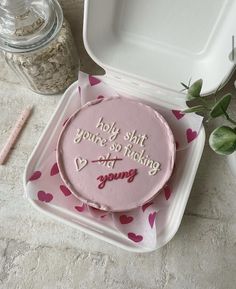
(37, 252)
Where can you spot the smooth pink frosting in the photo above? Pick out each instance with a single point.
(137, 122)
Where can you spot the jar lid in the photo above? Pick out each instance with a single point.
(28, 25)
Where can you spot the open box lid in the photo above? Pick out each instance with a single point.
(162, 42)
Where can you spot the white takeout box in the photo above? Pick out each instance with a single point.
(163, 42)
(146, 49)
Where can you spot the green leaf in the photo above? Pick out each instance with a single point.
(197, 108)
(194, 90)
(221, 106)
(223, 140)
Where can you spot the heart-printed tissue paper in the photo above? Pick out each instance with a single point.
(139, 226)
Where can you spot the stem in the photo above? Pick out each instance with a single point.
(204, 103)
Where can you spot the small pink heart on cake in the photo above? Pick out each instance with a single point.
(54, 170)
(191, 134)
(80, 208)
(44, 197)
(65, 190)
(167, 192)
(145, 206)
(36, 175)
(93, 80)
(135, 238)
(124, 219)
(178, 114)
(151, 218)
(80, 163)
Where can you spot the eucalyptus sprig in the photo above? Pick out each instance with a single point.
(223, 139)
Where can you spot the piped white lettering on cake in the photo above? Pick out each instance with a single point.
(89, 136)
(80, 163)
(135, 138)
(143, 159)
(108, 128)
(111, 141)
(107, 161)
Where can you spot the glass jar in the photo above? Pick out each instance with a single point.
(37, 44)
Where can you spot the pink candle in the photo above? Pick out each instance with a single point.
(14, 134)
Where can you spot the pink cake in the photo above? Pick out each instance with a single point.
(116, 154)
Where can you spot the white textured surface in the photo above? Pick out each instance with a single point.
(38, 253)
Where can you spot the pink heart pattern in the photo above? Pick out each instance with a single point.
(145, 206)
(80, 208)
(135, 238)
(44, 197)
(151, 218)
(65, 190)
(93, 80)
(176, 145)
(54, 170)
(139, 225)
(124, 219)
(167, 192)
(178, 114)
(36, 175)
(191, 135)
